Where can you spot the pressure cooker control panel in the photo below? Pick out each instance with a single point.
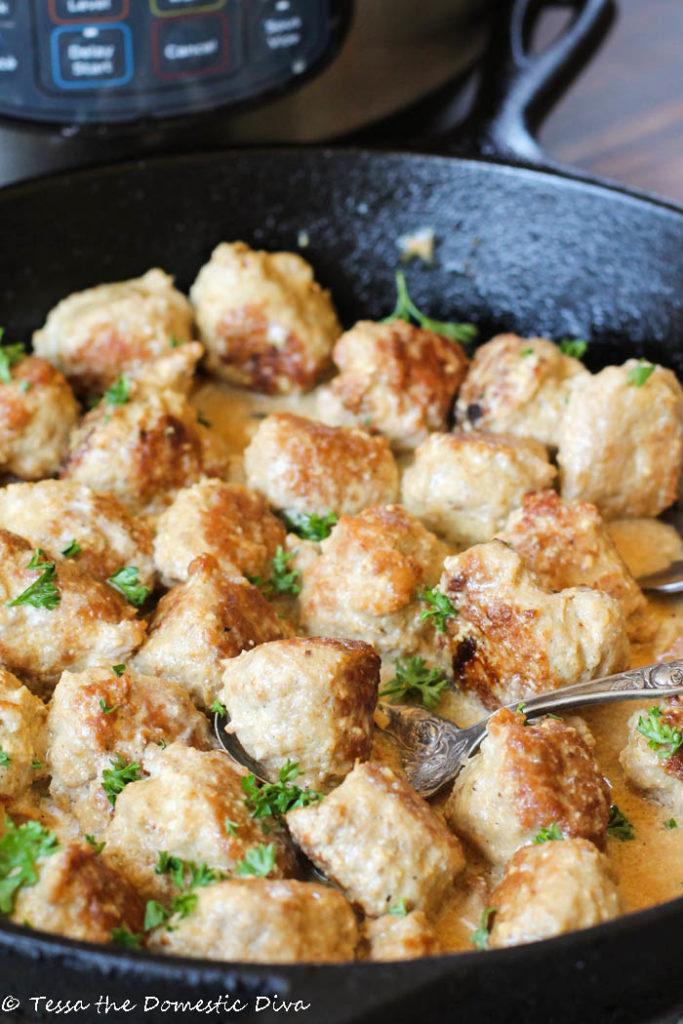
(99, 61)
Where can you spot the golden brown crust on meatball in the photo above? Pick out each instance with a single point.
(621, 444)
(566, 544)
(182, 809)
(94, 335)
(657, 777)
(37, 413)
(263, 921)
(227, 521)
(310, 701)
(463, 486)
(265, 322)
(552, 889)
(392, 937)
(364, 584)
(380, 842)
(308, 467)
(92, 623)
(512, 637)
(23, 722)
(200, 623)
(518, 386)
(79, 896)
(143, 451)
(396, 379)
(98, 715)
(51, 514)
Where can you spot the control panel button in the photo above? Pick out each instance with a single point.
(88, 10)
(91, 57)
(191, 46)
(7, 8)
(278, 27)
(9, 56)
(172, 8)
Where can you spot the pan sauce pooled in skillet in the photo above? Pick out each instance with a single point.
(244, 550)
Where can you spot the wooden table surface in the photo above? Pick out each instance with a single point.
(623, 119)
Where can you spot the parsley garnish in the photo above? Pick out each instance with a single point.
(5, 759)
(231, 827)
(406, 308)
(310, 526)
(638, 374)
(282, 580)
(671, 824)
(9, 356)
(72, 549)
(36, 765)
(125, 938)
(20, 847)
(574, 347)
(439, 608)
(399, 908)
(118, 670)
(126, 581)
(414, 679)
(119, 392)
(218, 709)
(276, 798)
(527, 352)
(618, 826)
(43, 592)
(663, 738)
(480, 938)
(116, 778)
(105, 710)
(185, 873)
(547, 833)
(201, 418)
(97, 847)
(258, 861)
(25, 385)
(155, 914)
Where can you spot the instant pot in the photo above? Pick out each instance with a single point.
(91, 81)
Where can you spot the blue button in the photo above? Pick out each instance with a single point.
(6, 8)
(92, 56)
(9, 60)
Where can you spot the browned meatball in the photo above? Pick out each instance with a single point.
(23, 721)
(529, 776)
(265, 322)
(393, 937)
(304, 466)
(396, 379)
(656, 771)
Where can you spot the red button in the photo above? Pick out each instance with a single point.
(188, 47)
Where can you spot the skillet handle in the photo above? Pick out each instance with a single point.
(518, 87)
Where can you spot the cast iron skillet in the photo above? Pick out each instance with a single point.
(529, 250)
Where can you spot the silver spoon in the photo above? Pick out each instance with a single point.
(669, 580)
(433, 749)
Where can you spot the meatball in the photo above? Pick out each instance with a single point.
(226, 521)
(102, 717)
(552, 889)
(23, 721)
(263, 921)
(365, 583)
(566, 544)
(393, 937)
(309, 701)
(265, 322)
(78, 896)
(510, 637)
(518, 386)
(379, 842)
(528, 776)
(144, 451)
(79, 621)
(463, 486)
(200, 623)
(621, 441)
(192, 807)
(657, 771)
(95, 335)
(37, 413)
(304, 466)
(396, 379)
(52, 514)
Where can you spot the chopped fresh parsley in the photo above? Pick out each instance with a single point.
(116, 778)
(184, 903)
(231, 827)
(527, 352)
(97, 847)
(399, 908)
(185, 874)
(258, 861)
(155, 914)
(574, 347)
(176, 342)
(618, 826)
(43, 592)
(201, 418)
(406, 308)
(9, 356)
(639, 373)
(25, 385)
(218, 709)
(72, 549)
(36, 765)
(414, 679)
(310, 526)
(480, 938)
(671, 824)
(20, 847)
(125, 938)
(282, 580)
(663, 738)
(5, 759)
(118, 670)
(106, 710)
(119, 392)
(547, 833)
(127, 582)
(439, 608)
(276, 798)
